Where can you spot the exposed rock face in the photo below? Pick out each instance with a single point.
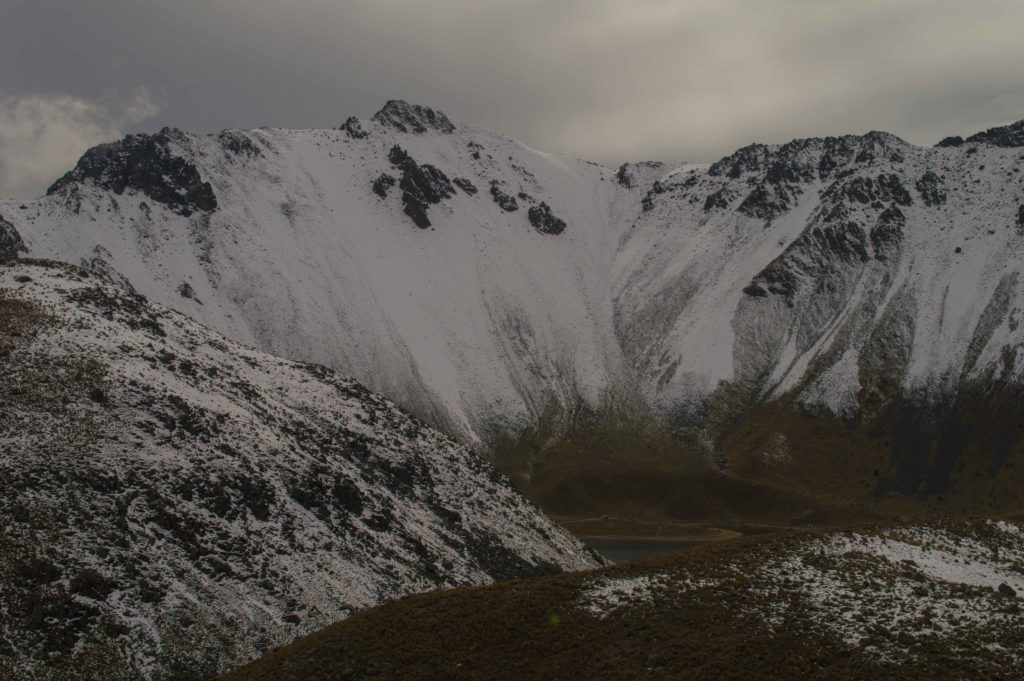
(805, 160)
(420, 185)
(814, 255)
(648, 200)
(951, 142)
(887, 234)
(932, 189)
(623, 177)
(147, 164)
(544, 221)
(886, 188)
(766, 202)
(505, 201)
(1006, 136)
(414, 118)
(11, 243)
(212, 501)
(239, 143)
(354, 129)
(187, 292)
(717, 200)
(777, 175)
(627, 174)
(465, 185)
(382, 184)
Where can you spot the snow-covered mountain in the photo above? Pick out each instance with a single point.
(500, 292)
(175, 503)
(298, 242)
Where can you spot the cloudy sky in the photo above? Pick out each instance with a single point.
(600, 79)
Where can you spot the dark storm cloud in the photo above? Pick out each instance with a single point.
(670, 79)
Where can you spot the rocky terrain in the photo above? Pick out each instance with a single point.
(941, 600)
(836, 317)
(175, 503)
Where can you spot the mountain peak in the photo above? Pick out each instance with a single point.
(149, 164)
(406, 117)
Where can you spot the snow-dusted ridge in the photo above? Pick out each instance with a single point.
(924, 601)
(491, 289)
(889, 594)
(176, 503)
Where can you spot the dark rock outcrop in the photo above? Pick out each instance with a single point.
(766, 202)
(627, 172)
(887, 234)
(147, 164)
(353, 128)
(648, 201)
(544, 221)
(831, 243)
(716, 200)
(421, 185)
(465, 185)
(932, 189)
(886, 187)
(416, 210)
(746, 159)
(951, 141)
(777, 174)
(1005, 136)
(624, 177)
(506, 202)
(239, 143)
(803, 160)
(406, 117)
(186, 291)
(382, 184)
(11, 243)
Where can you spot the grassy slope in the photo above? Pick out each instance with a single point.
(784, 467)
(540, 628)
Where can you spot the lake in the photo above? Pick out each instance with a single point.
(622, 550)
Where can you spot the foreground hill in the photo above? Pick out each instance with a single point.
(936, 601)
(838, 316)
(175, 503)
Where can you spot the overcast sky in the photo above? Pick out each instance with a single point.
(600, 79)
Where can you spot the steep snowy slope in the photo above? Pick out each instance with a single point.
(856, 278)
(175, 503)
(511, 296)
(794, 256)
(298, 242)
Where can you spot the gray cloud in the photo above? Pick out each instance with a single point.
(42, 135)
(610, 81)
